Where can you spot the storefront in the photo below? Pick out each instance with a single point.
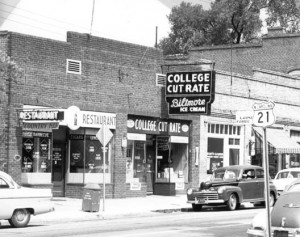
(69, 155)
(283, 149)
(225, 145)
(157, 154)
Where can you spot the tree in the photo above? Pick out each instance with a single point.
(226, 22)
(284, 13)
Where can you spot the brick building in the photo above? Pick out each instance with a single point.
(68, 90)
(246, 74)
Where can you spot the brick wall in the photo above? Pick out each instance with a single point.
(116, 77)
(277, 52)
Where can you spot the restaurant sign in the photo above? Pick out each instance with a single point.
(151, 125)
(41, 115)
(190, 92)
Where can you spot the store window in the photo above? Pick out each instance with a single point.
(215, 153)
(172, 161)
(135, 161)
(86, 158)
(36, 152)
(36, 157)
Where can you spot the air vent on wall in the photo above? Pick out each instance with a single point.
(160, 79)
(73, 66)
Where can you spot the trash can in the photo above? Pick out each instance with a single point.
(91, 197)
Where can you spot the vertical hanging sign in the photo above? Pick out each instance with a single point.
(190, 92)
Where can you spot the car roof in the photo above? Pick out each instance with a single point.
(289, 169)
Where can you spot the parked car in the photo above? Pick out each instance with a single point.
(285, 177)
(285, 218)
(293, 186)
(18, 203)
(231, 186)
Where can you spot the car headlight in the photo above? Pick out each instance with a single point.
(221, 190)
(189, 191)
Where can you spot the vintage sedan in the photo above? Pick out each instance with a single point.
(285, 218)
(231, 186)
(18, 203)
(285, 177)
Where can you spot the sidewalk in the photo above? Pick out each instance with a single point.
(70, 209)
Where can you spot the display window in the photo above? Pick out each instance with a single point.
(136, 161)
(36, 157)
(86, 158)
(36, 152)
(172, 161)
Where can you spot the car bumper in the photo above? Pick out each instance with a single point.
(205, 201)
(255, 233)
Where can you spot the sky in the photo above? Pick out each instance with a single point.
(133, 21)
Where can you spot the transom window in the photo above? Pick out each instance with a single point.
(223, 129)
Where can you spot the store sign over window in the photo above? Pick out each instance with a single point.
(41, 115)
(151, 125)
(190, 92)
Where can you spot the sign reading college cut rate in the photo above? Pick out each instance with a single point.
(190, 92)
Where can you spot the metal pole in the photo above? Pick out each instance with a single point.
(103, 146)
(267, 188)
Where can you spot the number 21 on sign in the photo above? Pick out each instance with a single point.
(263, 114)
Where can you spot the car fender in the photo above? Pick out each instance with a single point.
(228, 190)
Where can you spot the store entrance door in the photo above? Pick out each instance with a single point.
(59, 162)
(58, 158)
(150, 165)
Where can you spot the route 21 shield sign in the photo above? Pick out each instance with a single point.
(263, 114)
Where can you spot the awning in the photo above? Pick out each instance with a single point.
(280, 140)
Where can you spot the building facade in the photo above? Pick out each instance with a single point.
(93, 110)
(67, 93)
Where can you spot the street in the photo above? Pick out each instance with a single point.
(217, 222)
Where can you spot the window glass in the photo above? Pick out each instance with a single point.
(135, 161)
(259, 174)
(282, 175)
(3, 184)
(249, 174)
(36, 152)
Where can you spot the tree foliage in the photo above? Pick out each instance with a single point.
(226, 22)
(8, 69)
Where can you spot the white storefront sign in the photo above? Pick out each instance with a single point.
(76, 118)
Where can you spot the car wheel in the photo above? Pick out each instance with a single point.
(272, 199)
(232, 203)
(20, 218)
(196, 207)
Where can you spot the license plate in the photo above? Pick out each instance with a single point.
(281, 233)
(200, 200)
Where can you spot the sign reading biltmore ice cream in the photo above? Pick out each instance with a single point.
(190, 92)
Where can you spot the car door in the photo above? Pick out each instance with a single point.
(248, 183)
(260, 183)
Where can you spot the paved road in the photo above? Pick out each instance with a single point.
(217, 222)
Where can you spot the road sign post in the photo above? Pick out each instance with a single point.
(104, 135)
(263, 117)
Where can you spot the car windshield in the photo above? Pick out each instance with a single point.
(295, 187)
(225, 174)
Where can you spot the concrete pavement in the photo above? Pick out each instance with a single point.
(70, 209)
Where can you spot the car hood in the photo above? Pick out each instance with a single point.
(210, 184)
(281, 183)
